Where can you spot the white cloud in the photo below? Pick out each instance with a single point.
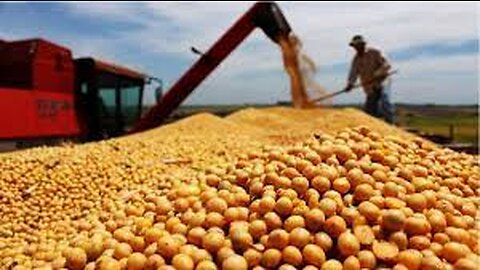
(172, 27)
(390, 26)
(445, 80)
(444, 65)
(113, 11)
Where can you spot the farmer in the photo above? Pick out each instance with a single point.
(372, 68)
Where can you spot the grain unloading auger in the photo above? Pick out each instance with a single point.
(264, 15)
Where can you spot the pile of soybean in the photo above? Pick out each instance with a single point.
(356, 200)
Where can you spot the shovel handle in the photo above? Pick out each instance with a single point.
(329, 96)
(355, 86)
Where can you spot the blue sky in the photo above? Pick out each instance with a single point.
(433, 45)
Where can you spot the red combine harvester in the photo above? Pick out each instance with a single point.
(46, 94)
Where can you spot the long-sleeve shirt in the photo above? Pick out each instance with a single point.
(368, 66)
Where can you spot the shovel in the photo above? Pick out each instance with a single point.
(355, 86)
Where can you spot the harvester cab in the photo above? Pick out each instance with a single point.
(110, 96)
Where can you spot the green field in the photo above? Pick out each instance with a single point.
(460, 123)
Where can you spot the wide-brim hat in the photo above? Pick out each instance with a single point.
(357, 40)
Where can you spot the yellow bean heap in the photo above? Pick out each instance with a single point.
(210, 193)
